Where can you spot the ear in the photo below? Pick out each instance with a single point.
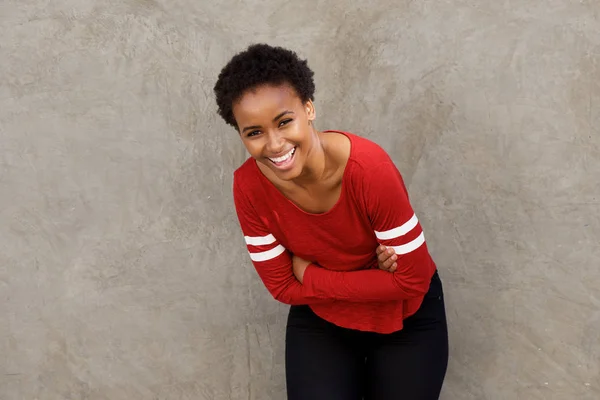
(310, 110)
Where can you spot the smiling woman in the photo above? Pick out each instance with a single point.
(278, 139)
(330, 230)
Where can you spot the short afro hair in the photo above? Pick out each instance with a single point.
(261, 64)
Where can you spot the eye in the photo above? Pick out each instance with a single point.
(285, 122)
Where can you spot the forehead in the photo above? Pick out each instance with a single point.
(266, 100)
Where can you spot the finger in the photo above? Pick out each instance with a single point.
(380, 249)
(386, 264)
(394, 265)
(383, 267)
(385, 255)
(390, 261)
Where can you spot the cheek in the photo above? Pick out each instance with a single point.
(303, 140)
(254, 150)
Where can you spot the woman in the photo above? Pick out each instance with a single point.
(331, 231)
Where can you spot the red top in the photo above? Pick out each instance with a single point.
(343, 284)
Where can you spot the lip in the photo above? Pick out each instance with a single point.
(288, 164)
(283, 153)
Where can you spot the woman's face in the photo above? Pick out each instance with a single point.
(274, 125)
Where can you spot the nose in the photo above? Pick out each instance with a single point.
(275, 142)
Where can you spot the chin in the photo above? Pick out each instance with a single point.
(288, 175)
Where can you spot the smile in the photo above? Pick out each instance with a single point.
(284, 157)
(285, 161)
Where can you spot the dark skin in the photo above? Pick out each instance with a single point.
(307, 166)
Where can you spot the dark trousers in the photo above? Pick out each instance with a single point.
(327, 362)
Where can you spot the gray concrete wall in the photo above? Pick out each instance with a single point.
(122, 271)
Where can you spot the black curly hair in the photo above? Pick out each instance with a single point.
(258, 65)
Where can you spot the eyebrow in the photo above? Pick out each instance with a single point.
(274, 119)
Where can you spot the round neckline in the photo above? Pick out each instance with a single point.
(342, 191)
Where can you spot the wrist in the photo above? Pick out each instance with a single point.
(307, 276)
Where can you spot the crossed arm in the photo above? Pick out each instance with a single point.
(404, 272)
(386, 259)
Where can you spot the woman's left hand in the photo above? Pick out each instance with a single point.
(299, 266)
(386, 256)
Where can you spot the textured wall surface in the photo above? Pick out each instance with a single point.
(123, 274)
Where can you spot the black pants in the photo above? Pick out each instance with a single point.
(327, 362)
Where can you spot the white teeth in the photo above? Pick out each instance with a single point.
(283, 158)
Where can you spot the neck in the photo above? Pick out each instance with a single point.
(317, 164)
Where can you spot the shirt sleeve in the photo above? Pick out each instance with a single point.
(271, 260)
(394, 224)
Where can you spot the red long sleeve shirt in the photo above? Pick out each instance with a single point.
(343, 284)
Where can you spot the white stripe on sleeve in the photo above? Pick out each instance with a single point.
(267, 255)
(259, 240)
(410, 246)
(398, 231)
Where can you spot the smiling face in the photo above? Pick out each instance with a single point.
(274, 125)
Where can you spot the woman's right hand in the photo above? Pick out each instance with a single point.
(386, 257)
(299, 266)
